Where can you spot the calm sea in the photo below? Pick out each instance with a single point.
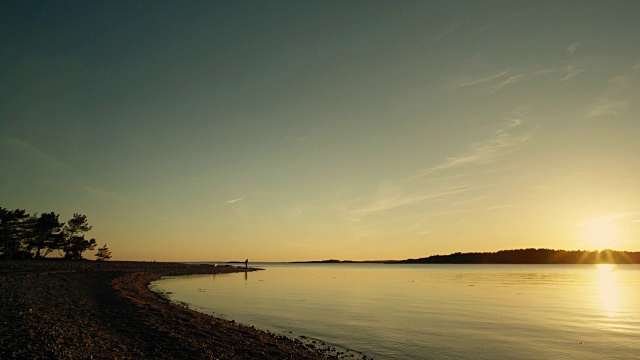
(433, 311)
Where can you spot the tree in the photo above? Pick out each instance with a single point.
(103, 253)
(79, 245)
(74, 243)
(13, 226)
(45, 234)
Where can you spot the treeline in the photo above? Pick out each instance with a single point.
(532, 256)
(26, 236)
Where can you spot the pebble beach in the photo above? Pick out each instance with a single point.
(105, 310)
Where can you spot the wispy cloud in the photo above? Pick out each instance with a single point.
(510, 79)
(606, 107)
(619, 79)
(618, 96)
(623, 78)
(501, 143)
(608, 218)
(105, 194)
(389, 196)
(425, 223)
(515, 78)
(470, 82)
(362, 232)
(233, 201)
(35, 154)
(397, 193)
(508, 20)
(447, 31)
(572, 70)
(571, 49)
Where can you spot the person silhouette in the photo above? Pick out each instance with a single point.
(246, 263)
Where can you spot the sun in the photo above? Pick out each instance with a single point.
(600, 234)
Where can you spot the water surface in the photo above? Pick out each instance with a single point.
(434, 311)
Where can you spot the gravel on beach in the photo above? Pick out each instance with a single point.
(105, 310)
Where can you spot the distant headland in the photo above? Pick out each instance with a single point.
(334, 261)
(516, 256)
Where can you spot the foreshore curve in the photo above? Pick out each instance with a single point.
(105, 310)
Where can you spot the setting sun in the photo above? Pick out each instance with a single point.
(600, 234)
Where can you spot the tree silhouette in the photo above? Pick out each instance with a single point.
(103, 253)
(12, 231)
(74, 243)
(45, 234)
(25, 236)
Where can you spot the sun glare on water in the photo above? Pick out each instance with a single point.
(608, 288)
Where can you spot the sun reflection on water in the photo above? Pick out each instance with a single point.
(608, 289)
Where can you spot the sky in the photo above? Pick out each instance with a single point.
(307, 130)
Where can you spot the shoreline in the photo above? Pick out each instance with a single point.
(88, 309)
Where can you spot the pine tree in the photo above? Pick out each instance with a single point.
(13, 228)
(103, 253)
(74, 242)
(45, 234)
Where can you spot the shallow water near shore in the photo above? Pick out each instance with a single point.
(433, 311)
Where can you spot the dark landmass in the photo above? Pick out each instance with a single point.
(333, 261)
(518, 256)
(531, 256)
(105, 310)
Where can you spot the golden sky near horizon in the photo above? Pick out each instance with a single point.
(288, 130)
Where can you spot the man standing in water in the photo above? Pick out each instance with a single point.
(246, 263)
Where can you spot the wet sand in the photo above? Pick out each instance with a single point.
(104, 310)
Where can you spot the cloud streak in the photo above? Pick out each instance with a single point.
(516, 78)
(35, 154)
(505, 21)
(608, 218)
(511, 79)
(501, 143)
(621, 79)
(606, 107)
(471, 82)
(571, 49)
(394, 194)
(572, 70)
(447, 31)
(233, 201)
(425, 223)
(390, 197)
(105, 194)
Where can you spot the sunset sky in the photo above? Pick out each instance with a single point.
(304, 130)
